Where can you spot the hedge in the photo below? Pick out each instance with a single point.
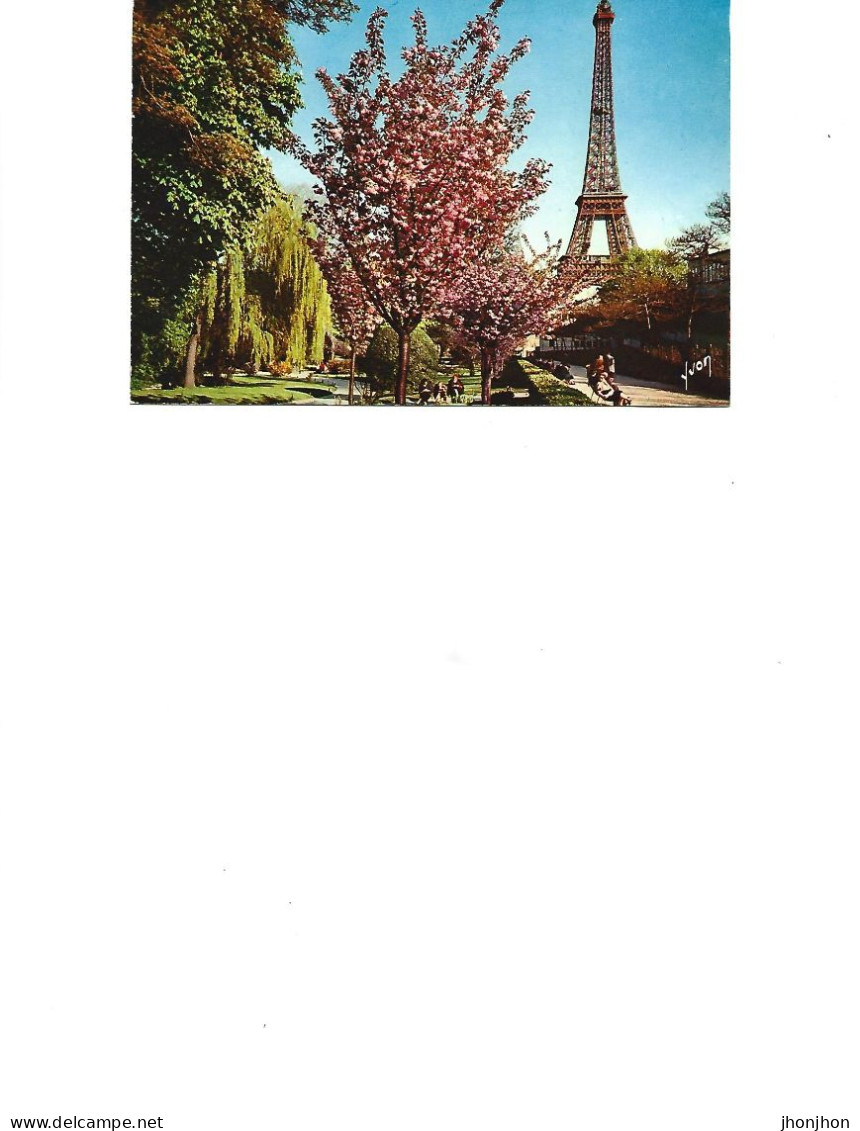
(548, 390)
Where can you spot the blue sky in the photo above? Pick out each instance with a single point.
(671, 70)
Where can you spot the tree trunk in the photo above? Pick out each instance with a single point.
(486, 377)
(404, 342)
(352, 376)
(190, 381)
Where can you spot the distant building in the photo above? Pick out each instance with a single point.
(711, 272)
(566, 340)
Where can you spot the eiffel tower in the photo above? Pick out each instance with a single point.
(602, 198)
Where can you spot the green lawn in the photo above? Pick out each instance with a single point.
(241, 389)
(471, 385)
(265, 389)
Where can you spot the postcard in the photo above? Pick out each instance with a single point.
(425, 772)
(525, 204)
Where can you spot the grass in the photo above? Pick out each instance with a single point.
(240, 389)
(471, 384)
(518, 375)
(513, 379)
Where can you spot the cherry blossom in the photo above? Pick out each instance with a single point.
(498, 300)
(355, 314)
(413, 171)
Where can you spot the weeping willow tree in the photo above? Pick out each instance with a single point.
(267, 304)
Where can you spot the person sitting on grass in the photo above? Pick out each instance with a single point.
(425, 391)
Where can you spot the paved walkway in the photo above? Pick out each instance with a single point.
(650, 394)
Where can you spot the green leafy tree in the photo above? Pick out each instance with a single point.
(266, 304)
(214, 83)
(643, 289)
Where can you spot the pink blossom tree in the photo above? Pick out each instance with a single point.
(355, 314)
(413, 172)
(497, 301)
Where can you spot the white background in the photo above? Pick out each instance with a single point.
(405, 771)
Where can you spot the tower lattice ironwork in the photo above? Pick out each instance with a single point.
(602, 198)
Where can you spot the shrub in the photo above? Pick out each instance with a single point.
(161, 349)
(380, 362)
(281, 368)
(544, 389)
(338, 366)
